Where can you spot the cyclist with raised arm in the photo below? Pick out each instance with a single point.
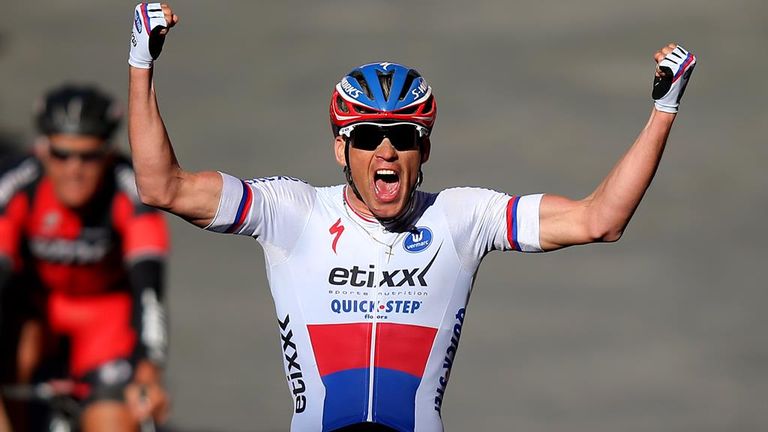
(72, 227)
(371, 278)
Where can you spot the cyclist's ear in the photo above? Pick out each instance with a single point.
(426, 146)
(339, 150)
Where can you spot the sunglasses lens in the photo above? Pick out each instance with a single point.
(59, 154)
(63, 155)
(92, 156)
(368, 137)
(403, 137)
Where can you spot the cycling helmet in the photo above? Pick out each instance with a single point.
(80, 110)
(388, 92)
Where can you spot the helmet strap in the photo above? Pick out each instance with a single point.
(348, 171)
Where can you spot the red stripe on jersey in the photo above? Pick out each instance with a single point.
(246, 206)
(403, 347)
(242, 209)
(512, 222)
(340, 347)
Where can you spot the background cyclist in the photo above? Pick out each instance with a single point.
(87, 258)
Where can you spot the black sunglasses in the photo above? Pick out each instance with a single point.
(84, 156)
(404, 137)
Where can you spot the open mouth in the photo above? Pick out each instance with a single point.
(386, 185)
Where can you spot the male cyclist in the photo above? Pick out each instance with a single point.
(75, 239)
(371, 278)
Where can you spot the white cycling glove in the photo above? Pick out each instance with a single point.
(677, 67)
(146, 43)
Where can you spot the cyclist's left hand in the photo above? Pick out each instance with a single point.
(146, 397)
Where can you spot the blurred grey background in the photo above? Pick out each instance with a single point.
(665, 330)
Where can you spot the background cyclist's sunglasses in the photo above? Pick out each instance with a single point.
(85, 156)
(368, 136)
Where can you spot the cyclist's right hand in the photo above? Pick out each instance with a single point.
(146, 397)
(151, 22)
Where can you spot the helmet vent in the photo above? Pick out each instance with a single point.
(408, 111)
(363, 83)
(340, 105)
(363, 110)
(412, 75)
(385, 80)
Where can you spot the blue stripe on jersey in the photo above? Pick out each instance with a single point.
(243, 200)
(514, 222)
(394, 402)
(346, 394)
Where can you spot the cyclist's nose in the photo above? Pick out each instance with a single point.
(386, 150)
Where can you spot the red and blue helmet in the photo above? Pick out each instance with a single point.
(382, 92)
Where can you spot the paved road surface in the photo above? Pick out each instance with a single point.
(665, 330)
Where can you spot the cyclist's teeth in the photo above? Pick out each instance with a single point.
(385, 175)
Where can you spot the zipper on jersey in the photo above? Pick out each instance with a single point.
(372, 354)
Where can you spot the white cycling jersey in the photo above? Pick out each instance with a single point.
(370, 317)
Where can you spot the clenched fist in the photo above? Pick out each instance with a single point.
(151, 22)
(674, 68)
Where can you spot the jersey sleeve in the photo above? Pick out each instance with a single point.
(12, 216)
(14, 207)
(482, 220)
(274, 210)
(146, 241)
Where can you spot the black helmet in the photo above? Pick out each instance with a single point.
(80, 110)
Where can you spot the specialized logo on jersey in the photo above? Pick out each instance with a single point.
(418, 240)
(336, 229)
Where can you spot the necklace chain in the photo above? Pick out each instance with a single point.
(389, 246)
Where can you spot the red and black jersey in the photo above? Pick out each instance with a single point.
(73, 252)
(114, 248)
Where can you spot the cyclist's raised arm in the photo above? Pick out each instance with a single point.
(160, 179)
(605, 213)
